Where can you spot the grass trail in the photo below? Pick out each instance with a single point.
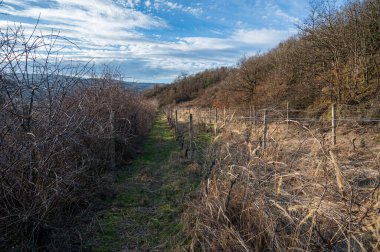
(146, 213)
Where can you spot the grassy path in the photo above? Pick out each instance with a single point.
(146, 213)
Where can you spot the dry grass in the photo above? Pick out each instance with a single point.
(299, 194)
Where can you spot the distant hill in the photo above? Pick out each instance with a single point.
(141, 85)
(36, 80)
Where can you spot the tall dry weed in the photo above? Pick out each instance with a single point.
(299, 194)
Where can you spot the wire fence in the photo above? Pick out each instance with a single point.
(264, 120)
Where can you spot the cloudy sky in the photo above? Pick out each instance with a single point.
(157, 40)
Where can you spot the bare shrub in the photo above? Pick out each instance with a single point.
(54, 140)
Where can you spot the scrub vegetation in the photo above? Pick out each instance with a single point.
(63, 130)
(87, 163)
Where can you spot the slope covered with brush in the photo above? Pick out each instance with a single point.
(335, 57)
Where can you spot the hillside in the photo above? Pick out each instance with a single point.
(335, 58)
(140, 86)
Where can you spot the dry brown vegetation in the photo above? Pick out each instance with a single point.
(300, 193)
(56, 141)
(334, 58)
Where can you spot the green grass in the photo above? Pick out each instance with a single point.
(146, 212)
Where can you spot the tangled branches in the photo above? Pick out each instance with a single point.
(54, 139)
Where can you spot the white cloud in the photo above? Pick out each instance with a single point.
(239, 39)
(205, 43)
(94, 22)
(281, 14)
(128, 3)
(168, 5)
(289, 18)
(264, 36)
(113, 31)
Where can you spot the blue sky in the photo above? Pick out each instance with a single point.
(157, 40)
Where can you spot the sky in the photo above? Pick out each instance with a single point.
(158, 40)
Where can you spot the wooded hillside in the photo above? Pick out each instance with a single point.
(334, 58)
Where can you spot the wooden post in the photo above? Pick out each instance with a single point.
(250, 116)
(176, 122)
(287, 116)
(254, 117)
(191, 137)
(265, 132)
(112, 143)
(171, 118)
(209, 113)
(216, 121)
(333, 124)
(204, 120)
(224, 115)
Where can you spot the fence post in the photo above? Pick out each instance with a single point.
(224, 115)
(287, 116)
(254, 117)
(171, 118)
(191, 137)
(265, 130)
(204, 119)
(209, 114)
(112, 139)
(250, 116)
(333, 124)
(176, 122)
(216, 121)
(216, 115)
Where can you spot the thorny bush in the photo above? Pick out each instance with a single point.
(55, 136)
